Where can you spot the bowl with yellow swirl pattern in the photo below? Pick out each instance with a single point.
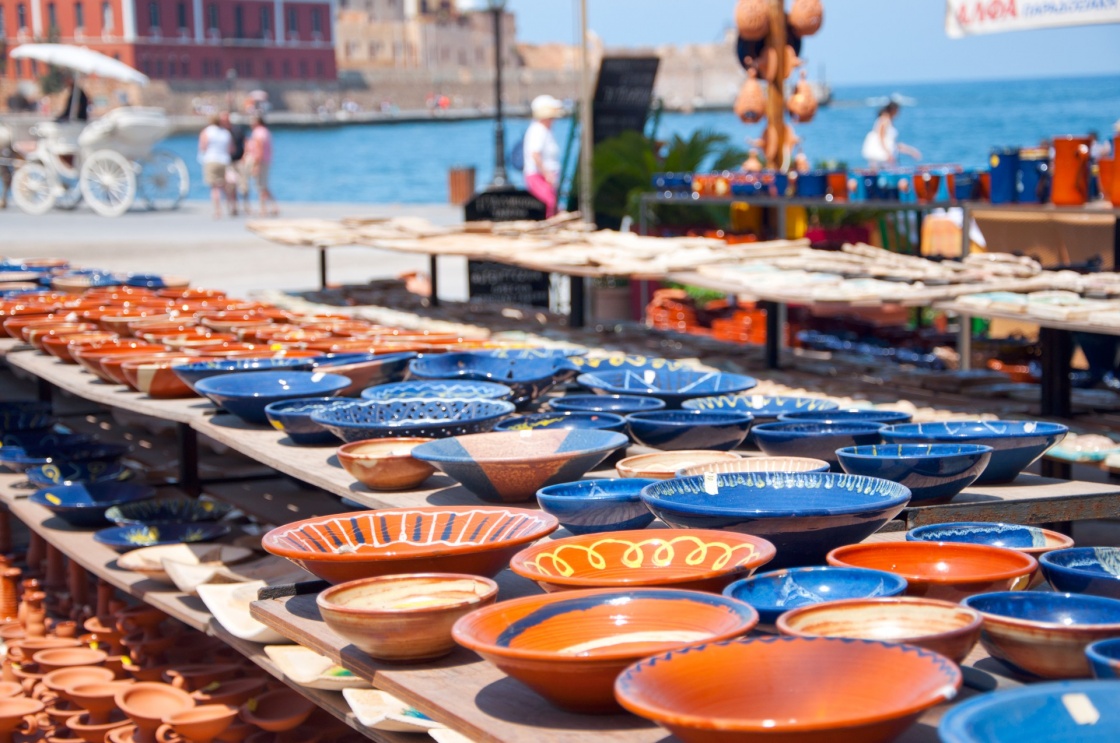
(698, 559)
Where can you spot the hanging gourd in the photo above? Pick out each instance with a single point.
(753, 19)
(750, 105)
(806, 17)
(802, 105)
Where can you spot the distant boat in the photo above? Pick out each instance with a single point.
(822, 92)
(882, 100)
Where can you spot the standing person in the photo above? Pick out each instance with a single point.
(258, 154)
(79, 108)
(881, 147)
(237, 174)
(215, 144)
(542, 152)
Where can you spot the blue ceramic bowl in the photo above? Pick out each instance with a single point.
(168, 510)
(848, 415)
(293, 417)
(528, 378)
(764, 408)
(246, 394)
(672, 387)
(592, 506)
(804, 514)
(432, 418)
(814, 439)
(135, 536)
(24, 416)
(42, 442)
(1104, 658)
(719, 430)
(57, 473)
(511, 466)
(617, 404)
(84, 505)
(367, 370)
(196, 371)
(627, 362)
(1029, 539)
(1016, 444)
(776, 592)
(1094, 570)
(933, 472)
(561, 419)
(461, 390)
(532, 353)
(1038, 713)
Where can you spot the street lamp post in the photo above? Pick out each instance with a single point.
(500, 180)
(231, 80)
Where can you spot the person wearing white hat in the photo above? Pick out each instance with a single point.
(542, 152)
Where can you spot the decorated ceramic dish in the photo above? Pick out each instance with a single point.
(757, 464)
(933, 472)
(528, 378)
(82, 504)
(814, 439)
(718, 430)
(596, 505)
(411, 418)
(164, 510)
(246, 394)
(617, 404)
(440, 389)
(1030, 539)
(124, 538)
(1084, 711)
(293, 417)
(671, 387)
(563, 420)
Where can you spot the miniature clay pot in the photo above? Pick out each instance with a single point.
(146, 704)
(98, 699)
(198, 724)
(277, 711)
(56, 658)
(18, 715)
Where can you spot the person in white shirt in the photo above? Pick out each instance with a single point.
(215, 146)
(542, 152)
(881, 147)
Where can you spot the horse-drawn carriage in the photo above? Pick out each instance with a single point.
(111, 164)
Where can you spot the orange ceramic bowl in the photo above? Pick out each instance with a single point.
(154, 377)
(385, 464)
(942, 570)
(62, 347)
(91, 359)
(697, 559)
(123, 321)
(112, 365)
(13, 326)
(34, 334)
(184, 293)
(570, 647)
(796, 689)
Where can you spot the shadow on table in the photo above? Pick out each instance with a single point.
(510, 700)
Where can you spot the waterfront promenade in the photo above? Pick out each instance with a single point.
(221, 253)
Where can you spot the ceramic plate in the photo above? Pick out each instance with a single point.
(309, 669)
(149, 561)
(229, 604)
(381, 711)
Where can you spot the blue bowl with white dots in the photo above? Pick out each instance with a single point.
(432, 418)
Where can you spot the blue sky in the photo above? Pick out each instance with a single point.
(862, 41)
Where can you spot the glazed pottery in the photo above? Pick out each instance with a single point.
(155, 378)
(229, 603)
(133, 536)
(696, 559)
(1045, 634)
(364, 370)
(941, 626)
(1069, 183)
(671, 387)
(245, 394)
(478, 540)
(1016, 444)
(411, 418)
(84, 505)
(511, 466)
(438, 389)
(617, 404)
(804, 514)
(810, 690)
(293, 417)
(1083, 711)
(194, 371)
(775, 592)
(764, 408)
(664, 465)
(627, 362)
(167, 510)
(933, 472)
(849, 415)
(18, 715)
(404, 617)
(277, 711)
(942, 570)
(757, 464)
(528, 378)
(146, 704)
(597, 505)
(382, 711)
(719, 430)
(565, 420)
(1032, 540)
(24, 415)
(1104, 658)
(307, 668)
(198, 724)
(570, 647)
(149, 561)
(385, 464)
(1094, 570)
(814, 439)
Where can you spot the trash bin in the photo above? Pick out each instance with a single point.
(460, 183)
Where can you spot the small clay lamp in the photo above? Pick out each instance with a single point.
(199, 724)
(18, 715)
(146, 704)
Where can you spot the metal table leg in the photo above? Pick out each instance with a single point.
(775, 322)
(1057, 347)
(577, 287)
(188, 459)
(964, 341)
(322, 268)
(433, 279)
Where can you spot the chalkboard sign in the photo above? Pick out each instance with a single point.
(623, 95)
(497, 282)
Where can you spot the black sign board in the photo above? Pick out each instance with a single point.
(498, 282)
(623, 95)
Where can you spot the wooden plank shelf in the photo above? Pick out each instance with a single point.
(276, 501)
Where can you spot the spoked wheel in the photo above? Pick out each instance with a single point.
(164, 180)
(34, 188)
(108, 183)
(69, 195)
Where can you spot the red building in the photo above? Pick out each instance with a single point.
(196, 40)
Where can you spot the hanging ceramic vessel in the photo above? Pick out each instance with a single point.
(750, 106)
(802, 104)
(806, 17)
(752, 17)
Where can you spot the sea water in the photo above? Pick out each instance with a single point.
(950, 122)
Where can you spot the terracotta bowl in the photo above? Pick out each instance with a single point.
(404, 617)
(570, 647)
(942, 570)
(940, 626)
(385, 464)
(62, 347)
(201, 723)
(155, 378)
(478, 540)
(277, 711)
(13, 326)
(1045, 634)
(698, 559)
(147, 703)
(111, 365)
(90, 358)
(1031, 540)
(665, 465)
(36, 334)
(235, 692)
(809, 690)
(56, 658)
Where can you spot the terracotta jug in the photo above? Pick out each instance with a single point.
(1070, 184)
(197, 725)
(752, 18)
(806, 17)
(18, 715)
(750, 105)
(146, 704)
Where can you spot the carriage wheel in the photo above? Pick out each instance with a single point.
(34, 188)
(69, 198)
(164, 180)
(108, 183)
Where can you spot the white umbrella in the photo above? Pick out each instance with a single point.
(81, 60)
